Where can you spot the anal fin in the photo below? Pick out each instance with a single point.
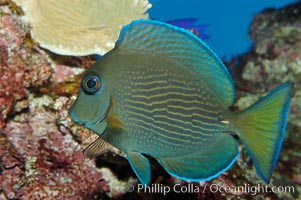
(205, 164)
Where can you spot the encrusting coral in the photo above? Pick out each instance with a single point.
(80, 27)
(39, 156)
(18, 70)
(275, 57)
(54, 163)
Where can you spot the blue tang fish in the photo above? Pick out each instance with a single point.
(162, 92)
(190, 24)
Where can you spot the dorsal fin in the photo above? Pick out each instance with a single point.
(176, 43)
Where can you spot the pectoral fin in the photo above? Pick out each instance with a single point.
(140, 165)
(114, 121)
(98, 147)
(205, 164)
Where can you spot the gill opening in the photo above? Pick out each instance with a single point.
(107, 111)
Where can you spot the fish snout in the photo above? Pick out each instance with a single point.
(74, 118)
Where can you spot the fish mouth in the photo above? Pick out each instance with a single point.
(102, 117)
(106, 113)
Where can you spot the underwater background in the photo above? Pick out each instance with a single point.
(41, 66)
(228, 21)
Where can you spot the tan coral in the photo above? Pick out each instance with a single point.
(80, 27)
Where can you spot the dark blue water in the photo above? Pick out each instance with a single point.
(229, 20)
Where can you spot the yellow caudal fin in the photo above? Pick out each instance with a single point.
(261, 128)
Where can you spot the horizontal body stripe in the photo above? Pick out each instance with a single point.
(142, 126)
(174, 113)
(166, 94)
(190, 124)
(172, 135)
(180, 127)
(154, 82)
(188, 130)
(193, 108)
(138, 76)
(151, 126)
(160, 88)
(149, 107)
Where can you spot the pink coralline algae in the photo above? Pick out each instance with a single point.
(40, 157)
(275, 57)
(19, 69)
(54, 163)
(12, 166)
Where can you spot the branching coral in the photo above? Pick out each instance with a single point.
(80, 27)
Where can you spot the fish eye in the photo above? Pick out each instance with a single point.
(91, 84)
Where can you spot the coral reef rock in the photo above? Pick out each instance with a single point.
(40, 157)
(276, 55)
(275, 58)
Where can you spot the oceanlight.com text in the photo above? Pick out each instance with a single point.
(250, 189)
(214, 188)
